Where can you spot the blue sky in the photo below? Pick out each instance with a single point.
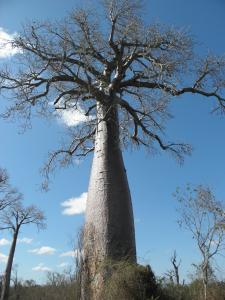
(152, 179)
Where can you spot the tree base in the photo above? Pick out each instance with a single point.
(119, 280)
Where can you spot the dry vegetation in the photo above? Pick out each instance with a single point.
(126, 282)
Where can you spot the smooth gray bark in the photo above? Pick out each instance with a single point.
(109, 227)
(7, 275)
(109, 212)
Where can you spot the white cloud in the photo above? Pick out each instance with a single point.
(45, 250)
(41, 268)
(215, 243)
(4, 242)
(3, 258)
(75, 206)
(6, 49)
(25, 240)
(63, 265)
(69, 254)
(72, 117)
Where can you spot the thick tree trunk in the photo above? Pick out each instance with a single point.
(109, 227)
(7, 275)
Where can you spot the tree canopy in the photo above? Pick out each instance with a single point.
(111, 58)
(8, 194)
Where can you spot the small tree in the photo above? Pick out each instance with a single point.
(8, 194)
(174, 273)
(13, 219)
(204, 216)
(176, 266)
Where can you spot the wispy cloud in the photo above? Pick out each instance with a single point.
(25, 240)
(69, 254)
(41, 268)
(215, 243)
(63, 265)
(45, 250)
(6, 49)
(4, 242)
(3, 258)
(75, 206)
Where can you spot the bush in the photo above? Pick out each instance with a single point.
(129, 281)
(193, 291)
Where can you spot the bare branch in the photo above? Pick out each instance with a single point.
(204, 217)
(76, 63)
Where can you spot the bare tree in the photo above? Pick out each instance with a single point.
(204, 217)
(13, 219)
(8, 194)
(174, 273)
(176, 266)
(122, 75)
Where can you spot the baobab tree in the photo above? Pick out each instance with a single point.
(204, 216)
(13, 218)
(122, 75)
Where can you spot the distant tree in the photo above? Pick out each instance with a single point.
(204, 216)
(174, 274)
(14, 275)
(8, 194)
(13, 218)
(107, 65)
